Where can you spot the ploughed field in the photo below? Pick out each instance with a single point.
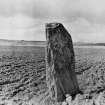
(22, 73)
(90, 69)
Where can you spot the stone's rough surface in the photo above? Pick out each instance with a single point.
(60, 72)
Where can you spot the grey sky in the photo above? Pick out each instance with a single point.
(25, 19)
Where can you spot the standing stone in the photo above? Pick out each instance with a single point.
(60, 66)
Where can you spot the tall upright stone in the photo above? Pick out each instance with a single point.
(60, 66)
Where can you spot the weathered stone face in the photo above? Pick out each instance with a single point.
(60, 73)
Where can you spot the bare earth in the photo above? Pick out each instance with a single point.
(22, 73)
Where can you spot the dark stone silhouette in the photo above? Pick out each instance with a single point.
(60, 70)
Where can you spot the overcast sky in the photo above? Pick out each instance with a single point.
(25, 19)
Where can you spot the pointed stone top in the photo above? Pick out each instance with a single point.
(52, 25)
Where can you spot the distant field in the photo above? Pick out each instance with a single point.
(22, 71)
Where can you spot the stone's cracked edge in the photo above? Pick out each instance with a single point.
(52, 25)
